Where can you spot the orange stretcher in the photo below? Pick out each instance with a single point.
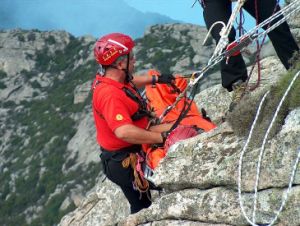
(159, 98)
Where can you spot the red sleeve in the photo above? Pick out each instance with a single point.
(115, 111)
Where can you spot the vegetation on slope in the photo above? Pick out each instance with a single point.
(242, 117)
(36, 157)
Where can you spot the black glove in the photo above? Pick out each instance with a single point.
(165, 135)
(204, 115)
(165, 79)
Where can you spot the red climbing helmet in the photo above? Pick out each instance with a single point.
(109, 47)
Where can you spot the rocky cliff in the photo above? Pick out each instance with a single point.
(49, 157)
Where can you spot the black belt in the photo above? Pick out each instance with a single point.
(120, 154)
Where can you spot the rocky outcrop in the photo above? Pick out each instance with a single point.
(294, 23)
(76, 148)
(18, 48)
(23, 54)
(18, 58)
(33, 64)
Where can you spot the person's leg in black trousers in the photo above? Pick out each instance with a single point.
(123, 177)
(137, 200)
(281, 37)
(235, 69)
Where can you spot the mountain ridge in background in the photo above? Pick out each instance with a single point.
(78, 17)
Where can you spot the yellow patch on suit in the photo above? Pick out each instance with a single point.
(119, 117)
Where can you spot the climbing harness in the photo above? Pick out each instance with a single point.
(252, 222)
(142, 111)
(135, 160)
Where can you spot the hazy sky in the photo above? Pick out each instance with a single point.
(179, 10)
(97, 17)
(79, 17)
(176, 9)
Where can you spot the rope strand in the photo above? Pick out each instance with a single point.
(242, 155)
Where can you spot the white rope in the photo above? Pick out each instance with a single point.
(284, 18)
(286, 13)
(224, 33)
(211, 27)
(242, 155)
(252, 222)
(288, 190)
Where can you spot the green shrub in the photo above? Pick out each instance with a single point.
(21, 38)
(59, 62)
(73, 48)
(31, 37)
(242, 117)
(50, 40)
(2, 85)
(42, 60)
(3, 74)
(28, 74)
(35, 94)
(9, 104)
(35, 84)
(29, 56)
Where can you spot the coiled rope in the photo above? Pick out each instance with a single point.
(252, 222)
(134, 161)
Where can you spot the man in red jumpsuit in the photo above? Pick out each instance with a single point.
(120, 113)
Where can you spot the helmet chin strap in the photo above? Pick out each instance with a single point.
(128, 77)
